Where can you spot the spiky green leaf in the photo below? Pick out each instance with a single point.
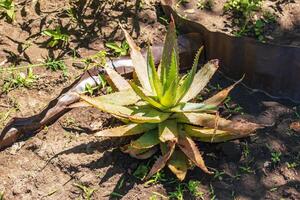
(161, 161)
(192, 107)
(139, 91)
(139, 153)
(189, 148)
(218, 98)
(170, 44)
(153, 75)
(139, 62)
(209, 134)
(126, 130)
(185, 86)
(147, 140)
(117, 81)
(211, 121)
(168, 131)
(169, 98)
(178, 164)
(201, 79)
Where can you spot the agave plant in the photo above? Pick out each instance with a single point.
(156, 104)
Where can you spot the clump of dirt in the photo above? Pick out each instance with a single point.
(62, 159)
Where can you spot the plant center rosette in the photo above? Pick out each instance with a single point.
(156, 105)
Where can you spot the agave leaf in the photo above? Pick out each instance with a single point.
(122, 98)
(139, 91)
(153, 75)
(147, 114)
(126, 130)
(147, 140)
(186, 84)
(139, 62)
(189, 148)
(209, 121)
(170, 44)
(209, 134)
(117, 80)
(172, 75)
(168, 130)
(178, 164)
(192, 107)
(222, 95)
(169, 97)
(107, 107)
(201, 79)
(139, 153)
(162, 160)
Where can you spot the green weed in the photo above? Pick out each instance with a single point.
(212, 192)
(275, 157)
(246, 150)
(244, 12)
(118, 50)
(218, 175)
(246, 170)
(205, 4)
(56, 37)
(178, 193)
(141, 172)
(292, 165)
(89, 89)
(193, 186)
(18, 80)
(87, 192)
(56, 65)
(7, 9)
(156, 178)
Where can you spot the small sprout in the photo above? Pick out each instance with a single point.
(205, 4)
(178, 193)
(182, 2)
(156, 178)
(212, 194)
(19, 80)
(115, 194)
(89, 89)
(7, 9)
(55, 65)
(219, 175)
(246, 150)
(153, 197)
(292, 165)
(232, 108)
(56, 36)
(2, 195)
(193, 186)
(141, 172)
(87, 192)
(275, 157)
(158, 194)
(50, 193)
(117, 50)
(247, 170)
(273, 189)
(258, 29)
(121, 183)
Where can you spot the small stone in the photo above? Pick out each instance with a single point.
(295, 126)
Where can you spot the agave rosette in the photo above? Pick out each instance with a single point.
(156, 106)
